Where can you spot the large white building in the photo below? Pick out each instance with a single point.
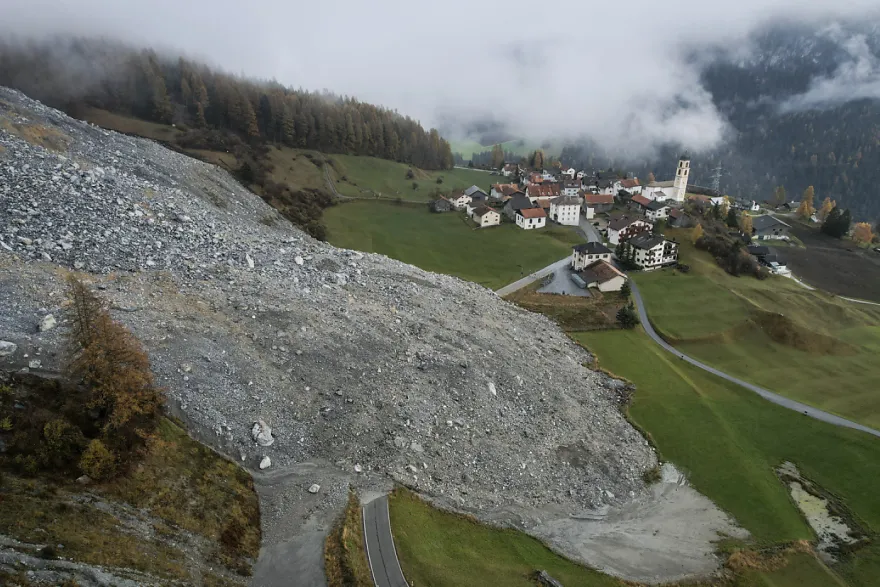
(652, 252)
(671, 190)
(566, 210)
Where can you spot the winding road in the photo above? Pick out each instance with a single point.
(768, 395)
(379, 543)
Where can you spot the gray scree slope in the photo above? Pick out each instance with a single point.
(351, 359)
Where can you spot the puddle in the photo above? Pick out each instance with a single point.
(832, 529)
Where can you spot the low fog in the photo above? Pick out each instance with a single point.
(625, 73)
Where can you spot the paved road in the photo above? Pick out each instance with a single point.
(590, 231)
(380, 545)
(768, 395)
(521, 283)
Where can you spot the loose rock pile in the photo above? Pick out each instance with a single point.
(281, 349)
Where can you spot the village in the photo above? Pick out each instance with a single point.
(622, 220)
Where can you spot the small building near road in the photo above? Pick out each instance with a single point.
(485, 216)
(768, 257)
(529, 218)
(603, 276)
(625, 226)
(653, 252)
(588, 253)
(441, 204)
(566, 210)
(769, 227)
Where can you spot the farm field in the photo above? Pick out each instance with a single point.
(447, 243)
(808, 345)
(728, 441)
(441, 549)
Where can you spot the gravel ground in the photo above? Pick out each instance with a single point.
(366, 369)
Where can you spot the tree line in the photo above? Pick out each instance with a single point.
(166, 90)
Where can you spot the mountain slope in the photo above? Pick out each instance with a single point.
(367, 370)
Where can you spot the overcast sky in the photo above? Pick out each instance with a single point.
(615, 70)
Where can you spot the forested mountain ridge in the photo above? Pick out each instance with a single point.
(71, 73)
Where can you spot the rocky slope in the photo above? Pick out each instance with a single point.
(375, 368)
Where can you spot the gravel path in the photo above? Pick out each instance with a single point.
(768, 395)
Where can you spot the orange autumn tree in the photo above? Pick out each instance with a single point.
(862, 233)
(827, 205)
(110, 362)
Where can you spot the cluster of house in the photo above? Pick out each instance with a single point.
(569, 197)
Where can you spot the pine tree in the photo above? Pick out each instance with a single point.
(732, 221)
(625, 290)
(497, 157)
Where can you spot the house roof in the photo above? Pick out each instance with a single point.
(699, 198)
(646, 241)
(605, 183)
(766, 221)
(474, 190)
(457, 195)
(532, 213)
(621, 222)
(630, 183)
(549, 190)
(483, 210)
(571, 183)
(592, 249)
(599, 272)
(661, 184)
(599, 198)
(641, 200)
(543, 203)
(656, 205)
(508, 189)
(510, 167)
(678, 213)
(759, 250)
(566, 201)
(520, 202)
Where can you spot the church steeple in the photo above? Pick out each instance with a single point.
(681, 177)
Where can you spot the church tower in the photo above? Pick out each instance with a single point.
(681, 177)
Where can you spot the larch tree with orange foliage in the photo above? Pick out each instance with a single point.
(862, 233)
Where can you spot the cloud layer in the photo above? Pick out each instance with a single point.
(622, 73)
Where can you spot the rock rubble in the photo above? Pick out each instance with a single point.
(281, 349)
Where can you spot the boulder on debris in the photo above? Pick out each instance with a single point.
(315, 488)
(262, 433)
(7, 348)
(47, 323)
(265, 463)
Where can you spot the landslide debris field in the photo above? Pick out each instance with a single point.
(355, 369)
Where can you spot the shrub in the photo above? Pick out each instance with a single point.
(439, 180)
(415, 185)
(62, 443)
(410, 174)
(6, 424)
(627, 317)
(97, 461)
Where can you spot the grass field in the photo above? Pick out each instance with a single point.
(467, 148)
(729, 440)
(440, 549)
(447, 243)
(804, 344)
(365, 176)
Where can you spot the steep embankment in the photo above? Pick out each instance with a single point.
(366, 369)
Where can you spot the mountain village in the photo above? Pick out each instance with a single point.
(611, 211)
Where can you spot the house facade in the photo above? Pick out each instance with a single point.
(657, 210)
(509, 169)
(460, 201)
(566, 210)
(476, 193)
(569, 173)
(529, 218)
(630, 185)
(571, 187)
(441, 204)
(588, 253)
(652, 252)
(603, 276)
(485, 216)
(678, 218)
(626, 226)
